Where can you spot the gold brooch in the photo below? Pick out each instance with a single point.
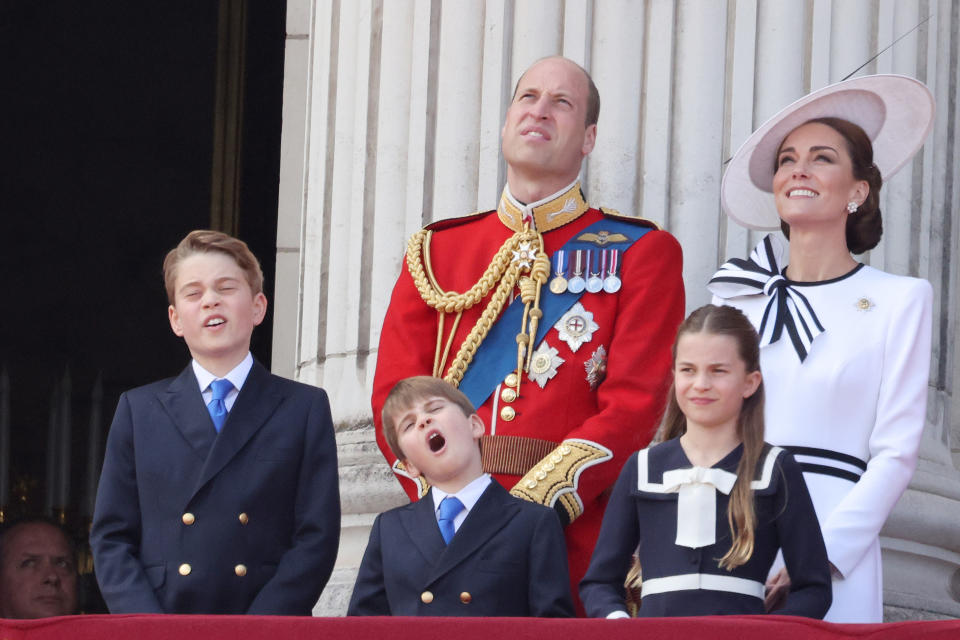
(865, 304)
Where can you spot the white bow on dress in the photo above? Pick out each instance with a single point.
(697, 502)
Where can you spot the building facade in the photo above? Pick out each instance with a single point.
(391, 120)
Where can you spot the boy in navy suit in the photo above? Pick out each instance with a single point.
(467, 548)
(219, 487)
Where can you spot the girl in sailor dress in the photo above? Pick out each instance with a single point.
(845, 347)
(707, 509)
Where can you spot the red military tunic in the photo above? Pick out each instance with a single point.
(587, 424)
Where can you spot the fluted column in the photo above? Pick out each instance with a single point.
(617, 54)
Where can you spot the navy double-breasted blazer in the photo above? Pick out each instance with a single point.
(508, 558)
(244, 521)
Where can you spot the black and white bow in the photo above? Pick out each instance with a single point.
(787, 309)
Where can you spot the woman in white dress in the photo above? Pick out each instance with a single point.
(846, 347)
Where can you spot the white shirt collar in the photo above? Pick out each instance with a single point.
(468, 495)
(238, 375)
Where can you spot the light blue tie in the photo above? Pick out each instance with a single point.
(216, 406)
(449, 508)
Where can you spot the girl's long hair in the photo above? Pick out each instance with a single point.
(728, 321)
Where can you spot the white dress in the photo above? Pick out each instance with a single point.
(860, 392)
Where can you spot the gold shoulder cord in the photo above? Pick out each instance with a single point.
(522, 253)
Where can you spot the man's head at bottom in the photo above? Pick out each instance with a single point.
(38, 571)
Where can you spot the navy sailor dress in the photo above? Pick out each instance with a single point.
(661, 508)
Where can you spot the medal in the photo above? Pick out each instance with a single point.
(611, 284)
(559, 284)
(524, 255)
(576, 326)
(594, 283)
(596, 368)
(543, 365)
(577, 284)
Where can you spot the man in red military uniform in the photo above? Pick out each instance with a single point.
(555, 318)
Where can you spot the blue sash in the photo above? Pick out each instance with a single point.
(497, 355)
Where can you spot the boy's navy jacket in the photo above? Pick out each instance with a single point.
(189, 521)
(507, 559)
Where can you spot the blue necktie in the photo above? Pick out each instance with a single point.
(449, 508)
(216, 407)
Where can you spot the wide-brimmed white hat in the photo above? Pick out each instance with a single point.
(895, 111)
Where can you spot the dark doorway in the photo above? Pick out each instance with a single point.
(106, 147)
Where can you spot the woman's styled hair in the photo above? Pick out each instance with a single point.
(865, 226)
(729, 321)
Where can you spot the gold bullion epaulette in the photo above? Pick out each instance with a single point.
(643, 222)
(553, 481)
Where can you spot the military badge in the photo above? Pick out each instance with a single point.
(596, 367)
(576, 326)
(544, 363)
(524, 255)
(602, 238)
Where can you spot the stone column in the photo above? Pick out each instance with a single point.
(367, 487)
(921, 539)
